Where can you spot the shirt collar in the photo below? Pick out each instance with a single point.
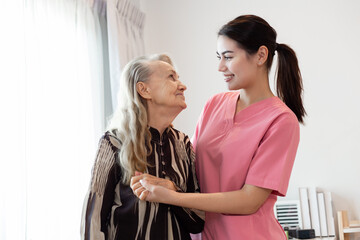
(155, 134)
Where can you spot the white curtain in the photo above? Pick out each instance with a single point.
(12, 122)
(57, 59)
(125, 31)
(52, 115)
(64, 113)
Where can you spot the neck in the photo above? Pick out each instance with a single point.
(160, 119)
(255, 93)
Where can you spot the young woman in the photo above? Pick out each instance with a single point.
(245, 140)
(141, 138)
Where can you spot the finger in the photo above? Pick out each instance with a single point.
(139, 191)
(135, 179)
(138, 173)
(136, 186)
(144, 195)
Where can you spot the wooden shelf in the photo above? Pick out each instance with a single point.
(346, 226)
(323, 238)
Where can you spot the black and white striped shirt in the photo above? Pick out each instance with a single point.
(111, 210)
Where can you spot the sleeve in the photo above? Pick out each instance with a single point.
(100, 196)
(273, 160)
(191, 219)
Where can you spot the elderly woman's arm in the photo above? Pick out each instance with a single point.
(100, 196)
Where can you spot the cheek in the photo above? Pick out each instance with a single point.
(235, 69)
(171, 87)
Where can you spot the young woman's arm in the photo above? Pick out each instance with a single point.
(245, 201)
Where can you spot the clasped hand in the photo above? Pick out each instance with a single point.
(150, 188)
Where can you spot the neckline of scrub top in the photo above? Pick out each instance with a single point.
(249, 111)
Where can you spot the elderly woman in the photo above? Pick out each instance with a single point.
(140, 138)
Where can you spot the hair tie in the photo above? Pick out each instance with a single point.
(276, 46)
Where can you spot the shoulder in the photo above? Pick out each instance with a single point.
(220, 97)
(283, 113)
(111, 138)
(181, 139)
(108, 147)
(178, 135)
(281, 118)
(182, 144)
(219, 101)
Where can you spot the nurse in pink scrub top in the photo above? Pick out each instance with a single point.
(245, 140)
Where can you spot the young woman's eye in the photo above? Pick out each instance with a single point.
(224, 57)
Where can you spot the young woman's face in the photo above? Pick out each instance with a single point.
(166, 90)
(238, 67)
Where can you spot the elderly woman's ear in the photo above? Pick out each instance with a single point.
(143, 90)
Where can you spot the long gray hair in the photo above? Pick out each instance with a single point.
(130, 120)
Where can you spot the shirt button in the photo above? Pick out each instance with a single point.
(163, 162)
(163, 172)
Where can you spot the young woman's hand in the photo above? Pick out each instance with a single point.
(152, 182)
(155, 193)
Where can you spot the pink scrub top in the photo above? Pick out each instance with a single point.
(257, 146)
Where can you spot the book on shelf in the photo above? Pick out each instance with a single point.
(322, 214)
(317, 211)
(304, 206)
(314, 210)
(329, 214)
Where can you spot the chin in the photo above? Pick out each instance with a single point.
(182, 104)
(233, 87)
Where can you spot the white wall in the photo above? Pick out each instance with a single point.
(326, 36)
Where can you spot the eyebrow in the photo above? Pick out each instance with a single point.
(224, 52)
(173, 71)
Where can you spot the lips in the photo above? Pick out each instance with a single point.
(181, 95)
(228, 77)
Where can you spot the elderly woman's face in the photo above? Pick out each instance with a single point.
(165, 88)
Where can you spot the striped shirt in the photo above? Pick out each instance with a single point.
(111, 210)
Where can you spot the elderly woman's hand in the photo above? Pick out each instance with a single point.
(138, 188)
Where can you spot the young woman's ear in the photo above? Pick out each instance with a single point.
(262, 55)
(143, 90)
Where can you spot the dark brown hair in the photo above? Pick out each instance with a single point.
(251, 32)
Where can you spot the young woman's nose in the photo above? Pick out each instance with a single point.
(222, 66)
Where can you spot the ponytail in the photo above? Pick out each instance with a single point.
(289, 86)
